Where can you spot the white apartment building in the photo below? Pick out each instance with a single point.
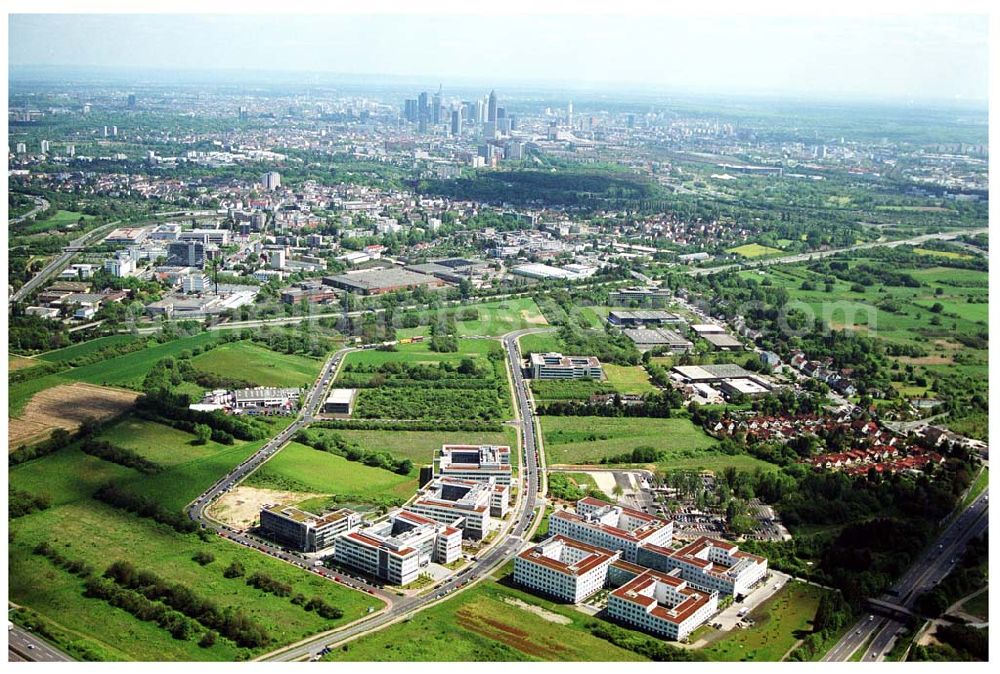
(479, 463)
(120, 267)
(453, 501)
(398, 548)
(558, 366)
(219, 237)
(709, 565)
(563, 568)
(604, 525)
(662, 604)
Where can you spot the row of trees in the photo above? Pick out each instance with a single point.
(123, 456)
(229, 622)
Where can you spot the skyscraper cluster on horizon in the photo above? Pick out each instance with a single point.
(432, 111)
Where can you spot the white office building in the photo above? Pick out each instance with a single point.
(563, 568)
(480, 463)
(662, 604)
(400, 548)
(604, 525)
(709, 564)
(462, 503)
(558, 366)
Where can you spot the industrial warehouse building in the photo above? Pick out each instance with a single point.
(397, 549)
(264, 397)
(563, 568)
(305, 531)
(340, 401)
(662, 604)
(558, 366)
(647, 339)
(379, 281)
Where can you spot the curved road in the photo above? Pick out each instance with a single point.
(41, 204)
(521, 521)
(398, 607)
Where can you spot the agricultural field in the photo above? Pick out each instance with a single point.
(778, 625)
(752, 250)
(252, 362)
(628, 378)
(490, 622)
(65, 406)
(419, 446)
(303, 469)
(569, 389)
(415, 383)
(81, 528)
(126, 371)
(587, 440)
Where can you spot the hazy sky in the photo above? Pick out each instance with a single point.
(912, 57)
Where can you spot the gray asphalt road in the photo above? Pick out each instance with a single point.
(495, 556)
(938, 559)
(22, 645)
(41, 204)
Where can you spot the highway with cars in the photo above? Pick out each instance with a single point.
(510, 543)
(23, 646)
(935, 563)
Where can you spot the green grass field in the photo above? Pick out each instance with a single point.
(81, 528)
(498, 318)
(419, 446)
(954, 255)
(628, 379)
(589, 439)
(484, 625)
(542, 342)
(57, 220)
(586, 440)
(85, 348)
(752, 250)
(251, 362)
(779, 623)
(301, 468)
(125, 371)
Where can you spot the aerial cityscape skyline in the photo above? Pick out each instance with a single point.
(446, 338)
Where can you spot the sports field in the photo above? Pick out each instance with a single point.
(260, 365)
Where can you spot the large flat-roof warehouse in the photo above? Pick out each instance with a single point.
(378, 281)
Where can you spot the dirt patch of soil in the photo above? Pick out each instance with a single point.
(241, 507)
(21, 362)
(66, 406)
(533, 319)
(539, 611)
(936, 359)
